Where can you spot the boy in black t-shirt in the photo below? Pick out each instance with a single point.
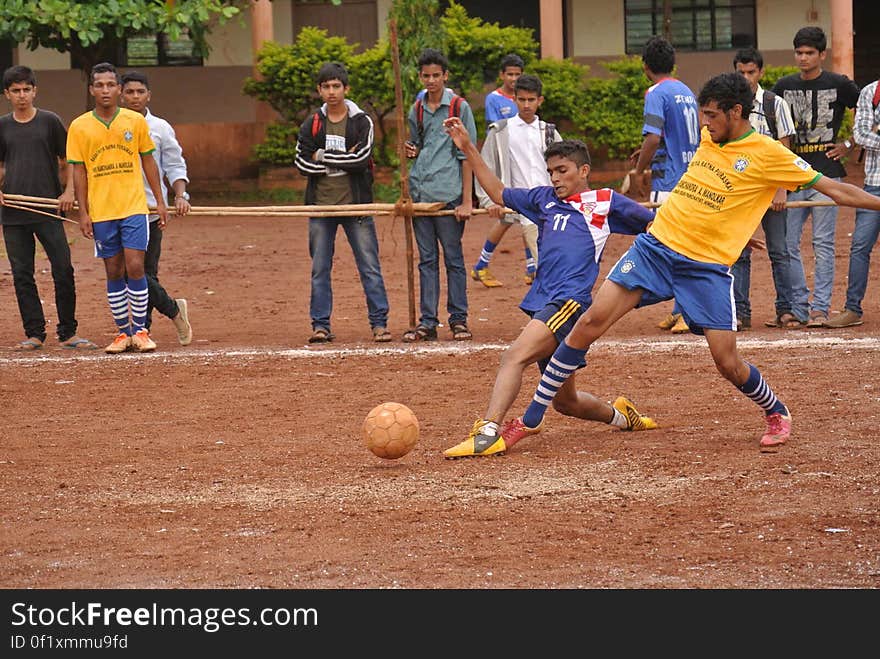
(818, 100)
(32, 146)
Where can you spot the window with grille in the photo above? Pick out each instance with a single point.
(694, 24)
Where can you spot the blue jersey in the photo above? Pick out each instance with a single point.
(499, 106)
(571, 238)
(671, 112)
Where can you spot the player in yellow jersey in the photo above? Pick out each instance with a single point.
(109, 148)
(699, 232)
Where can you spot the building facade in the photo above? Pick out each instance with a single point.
(218, 124)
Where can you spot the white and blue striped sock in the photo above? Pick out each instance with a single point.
(137, 297)
(118, 298)
(563, 363)
(761, 394)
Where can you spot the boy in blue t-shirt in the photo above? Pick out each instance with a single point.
(501, 103)
(574, 223)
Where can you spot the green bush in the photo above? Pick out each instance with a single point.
(565, 83)
(615, 108)
(288, 72)
(279, 147)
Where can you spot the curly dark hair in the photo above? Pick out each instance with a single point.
(727, 90)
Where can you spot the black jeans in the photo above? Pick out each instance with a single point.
(21, 248)
(159, 298)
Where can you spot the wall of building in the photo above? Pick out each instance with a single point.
(217, 122)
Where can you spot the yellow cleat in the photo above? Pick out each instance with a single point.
(680, 326)
(485, 277)
(669, 321)
(634, 419)
(477, 444)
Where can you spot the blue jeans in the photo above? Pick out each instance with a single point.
(774, 224)
(361, 234)
(865, 234)
(444, 231)
(824, 224)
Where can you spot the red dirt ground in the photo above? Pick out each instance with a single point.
(237, 462)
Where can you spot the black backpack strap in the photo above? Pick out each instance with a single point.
(770, 112)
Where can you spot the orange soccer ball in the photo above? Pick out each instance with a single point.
(391, 430)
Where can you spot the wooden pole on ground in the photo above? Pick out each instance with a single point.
(405, 199)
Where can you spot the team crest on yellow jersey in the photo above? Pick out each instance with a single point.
(741, 164)
(127, 135)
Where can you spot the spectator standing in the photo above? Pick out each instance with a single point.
(335, 150)
(172, 167)
(440, 173)
(32, 149)
(770, 116)
(500, 103)
(867, 227)
(818, 100)
(514, 152)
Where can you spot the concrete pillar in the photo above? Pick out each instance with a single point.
(551, 29)
(261, 31)
(842, 37)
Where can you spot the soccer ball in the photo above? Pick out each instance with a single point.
(391, 430)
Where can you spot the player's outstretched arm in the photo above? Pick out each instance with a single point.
(490, 183)
(846, 194)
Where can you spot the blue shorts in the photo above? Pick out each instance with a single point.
(111, 236)
(560, 316)
(703, 291)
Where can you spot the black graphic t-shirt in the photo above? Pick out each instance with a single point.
(817, 108)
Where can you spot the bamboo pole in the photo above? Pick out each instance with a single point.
(34, 210)
(405, 199)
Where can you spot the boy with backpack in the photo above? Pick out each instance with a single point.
(441, 173)
(770, 116)
(334, 150)
(514, 152)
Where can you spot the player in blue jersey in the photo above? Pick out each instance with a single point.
(671, 135)
(574, 223)
(501, 103)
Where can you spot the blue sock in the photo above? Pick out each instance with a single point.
(117, 296)
(761, 394)
(531, 265)
(486, 255)
(563, 363)
(137, 298)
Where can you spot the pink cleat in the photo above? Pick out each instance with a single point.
(778, 431)
(514, 430)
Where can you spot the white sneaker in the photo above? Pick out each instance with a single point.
(181, 322)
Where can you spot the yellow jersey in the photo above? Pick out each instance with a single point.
(111, 153)
(720, 200)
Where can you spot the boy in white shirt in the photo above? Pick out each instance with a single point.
(514, 151)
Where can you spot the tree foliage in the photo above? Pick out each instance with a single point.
(84, 28)
(418, 27)
(604, 112)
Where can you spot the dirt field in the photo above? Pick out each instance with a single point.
(237, 462)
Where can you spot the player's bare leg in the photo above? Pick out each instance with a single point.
(748, 379)
(534, 343)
